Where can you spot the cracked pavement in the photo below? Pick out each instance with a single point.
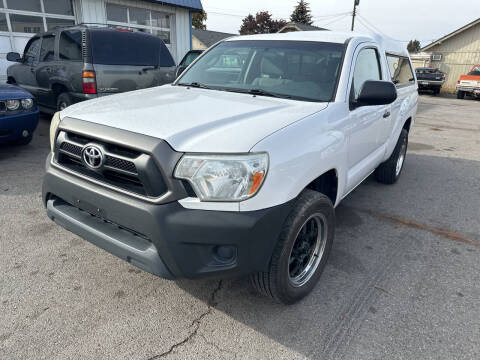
(403, 280)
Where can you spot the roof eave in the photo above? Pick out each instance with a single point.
(448, 36)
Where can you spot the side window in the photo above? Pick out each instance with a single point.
(400, 70)
(47, 51)
(367, 67)
(32, 51)
(71, 45)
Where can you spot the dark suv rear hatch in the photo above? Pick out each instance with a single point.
(126, 61)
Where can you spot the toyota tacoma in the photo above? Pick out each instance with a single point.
(236, 168)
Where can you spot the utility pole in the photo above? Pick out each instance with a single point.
(355, 4)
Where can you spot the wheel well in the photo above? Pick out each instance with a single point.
(58, 89)
(11, 80)
(406, 126)
(327, 184)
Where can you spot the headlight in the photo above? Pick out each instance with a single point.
(27, 103)
(13, 105)
(224, 177)
(53, 129)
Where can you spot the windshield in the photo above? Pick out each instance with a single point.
(299, 70)
(475, 70)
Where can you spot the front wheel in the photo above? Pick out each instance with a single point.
(460, 94)
(302, 250)
(389, 171)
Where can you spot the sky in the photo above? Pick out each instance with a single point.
(424, 20)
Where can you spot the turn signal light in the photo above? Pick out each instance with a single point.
(89, 82)
(257, 181)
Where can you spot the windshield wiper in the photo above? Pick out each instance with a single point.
(195, 85)
(259, 92)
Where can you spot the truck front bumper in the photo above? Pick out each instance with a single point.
(166, 240)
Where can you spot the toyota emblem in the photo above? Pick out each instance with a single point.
(93, 156)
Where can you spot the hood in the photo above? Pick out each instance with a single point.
(195, 120)
(8, 92)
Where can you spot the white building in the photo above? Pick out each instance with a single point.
(169, 19)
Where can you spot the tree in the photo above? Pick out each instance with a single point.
(261, 23)
(198, 20)
(413, 46)
(302, 14)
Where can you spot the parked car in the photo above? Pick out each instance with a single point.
(469, 84)
(68, 65)
(18, 115)
(187, 60)
(430, 79)
(236, 168)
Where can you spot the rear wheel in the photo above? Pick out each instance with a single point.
(63, 101)
(460, 94)
(302, 250)
(389, 171)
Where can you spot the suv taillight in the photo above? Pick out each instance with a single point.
(89, 82)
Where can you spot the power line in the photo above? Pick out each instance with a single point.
(336, 20)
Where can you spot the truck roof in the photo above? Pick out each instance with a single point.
(389, 45)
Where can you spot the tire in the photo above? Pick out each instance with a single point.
(389, 171)
(24, 141)
(284, 281)
(460, 94)
(436, 91)
(63, 101)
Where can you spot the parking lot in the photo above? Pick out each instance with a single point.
(403, 280)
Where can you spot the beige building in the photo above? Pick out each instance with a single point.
(203, 39)
(454, 54)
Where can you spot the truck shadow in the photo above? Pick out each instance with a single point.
(368, 252)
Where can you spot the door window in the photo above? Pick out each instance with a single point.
(367, 67)
(400, 70)
(71, 45)
(31, 51)
(47, 51)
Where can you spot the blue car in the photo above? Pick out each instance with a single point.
(18, 115)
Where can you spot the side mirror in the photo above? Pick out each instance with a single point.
(14, 56)
(374, 92)
(180, 70)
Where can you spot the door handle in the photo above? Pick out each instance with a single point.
(386, 115)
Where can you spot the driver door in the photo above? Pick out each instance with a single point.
(366, 122)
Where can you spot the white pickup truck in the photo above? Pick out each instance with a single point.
(236, 168)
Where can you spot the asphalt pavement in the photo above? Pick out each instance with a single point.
(403, 281)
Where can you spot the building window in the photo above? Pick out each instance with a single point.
(117, 13)
(25, 5)
(3, 22)
(53, 23)
(26, 16)
(26, 23)
(60, 7)
(138, 19)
